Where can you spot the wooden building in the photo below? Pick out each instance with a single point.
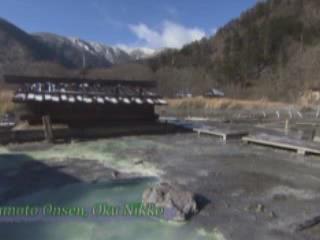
(82, 102)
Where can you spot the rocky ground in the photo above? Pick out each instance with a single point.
(248, 192)
(254, 192)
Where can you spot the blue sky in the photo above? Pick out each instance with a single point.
(147, 23)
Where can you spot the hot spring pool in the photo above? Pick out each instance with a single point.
(86, 195)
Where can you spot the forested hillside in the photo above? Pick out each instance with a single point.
(271, 50)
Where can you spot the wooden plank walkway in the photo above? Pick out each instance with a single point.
(224, 132)
(283, 142)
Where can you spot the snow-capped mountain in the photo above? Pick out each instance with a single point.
(81, 52)
(92, 53)
(17, 45)
(115, 54)
(139, 53)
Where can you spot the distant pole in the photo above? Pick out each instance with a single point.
(300, 114)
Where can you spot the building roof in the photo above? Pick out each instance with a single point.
(15, 79)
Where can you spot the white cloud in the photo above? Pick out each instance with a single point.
(171, 35)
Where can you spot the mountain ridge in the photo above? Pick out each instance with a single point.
(16, 45)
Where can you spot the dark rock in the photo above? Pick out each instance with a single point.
(139, 162)
(181, 205)
(115, 174)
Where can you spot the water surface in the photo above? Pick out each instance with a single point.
(86, 195)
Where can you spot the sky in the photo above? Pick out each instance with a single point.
(127, 23)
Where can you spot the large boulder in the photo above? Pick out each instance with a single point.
(179, 205)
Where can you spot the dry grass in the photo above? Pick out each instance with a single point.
(6, 103)
(222, 103)
(309, 99)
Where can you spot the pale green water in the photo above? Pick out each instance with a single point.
(115, 153)
(113, 228)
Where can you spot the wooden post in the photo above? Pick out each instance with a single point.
(316, 135)
(48, 133)
(301, 151)
(286, 127)
(224, 138)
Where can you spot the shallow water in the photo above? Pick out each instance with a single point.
(87, 195)
(116, 153)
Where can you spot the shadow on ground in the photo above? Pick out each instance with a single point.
(21, 175)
